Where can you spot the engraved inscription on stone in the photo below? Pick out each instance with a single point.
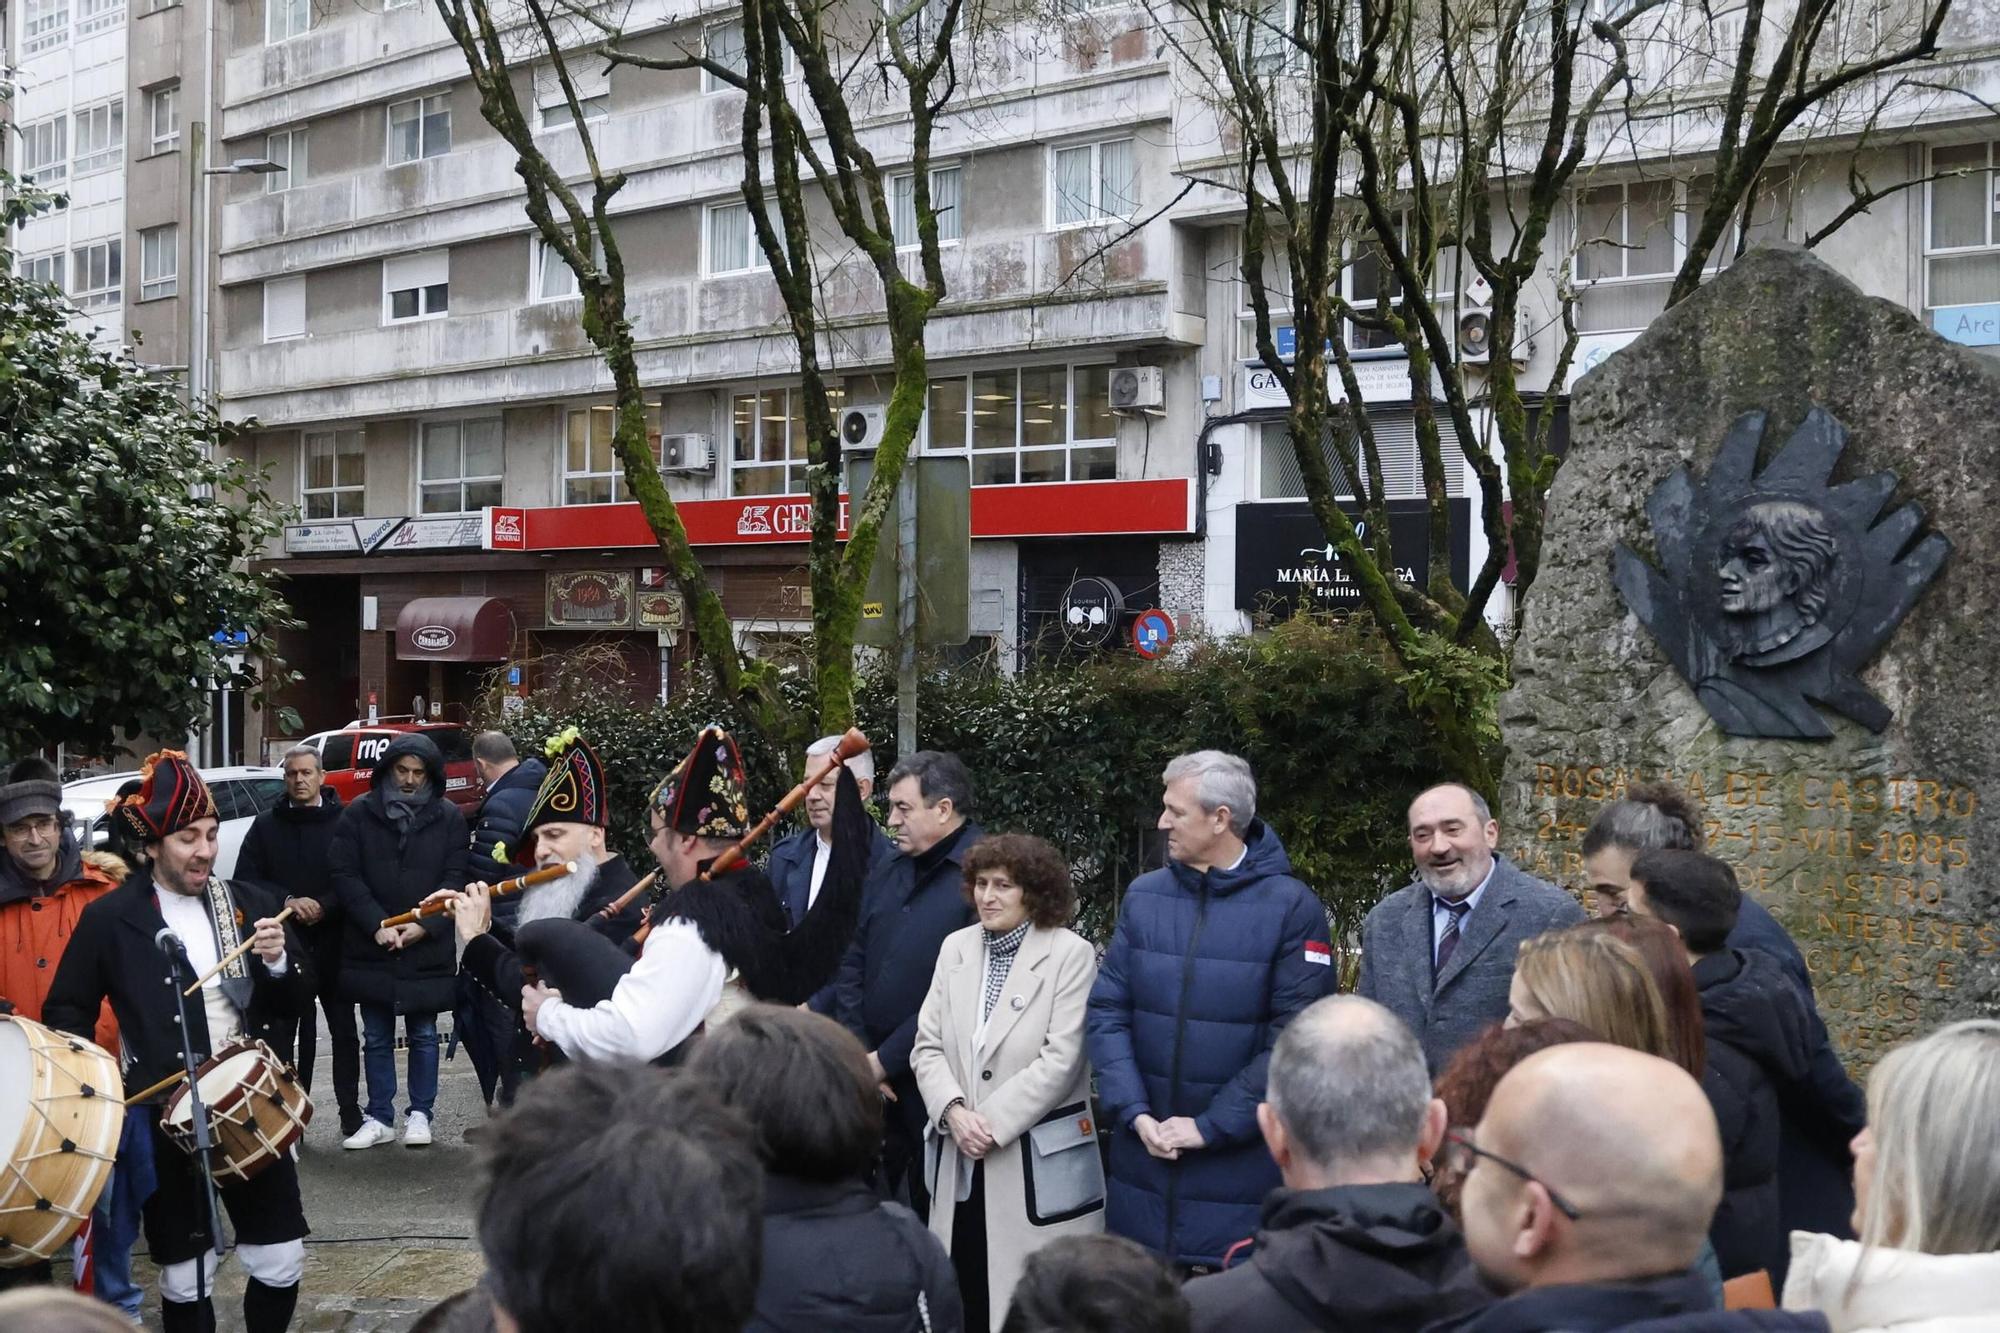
(1775, 587)
(1869, 872)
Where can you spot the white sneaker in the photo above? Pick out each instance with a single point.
(372, 1134)
(417, 1130)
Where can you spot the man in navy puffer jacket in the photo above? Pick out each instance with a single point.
(1212, 956)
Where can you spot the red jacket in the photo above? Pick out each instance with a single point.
(35, 928)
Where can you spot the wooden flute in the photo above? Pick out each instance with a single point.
(500, 890)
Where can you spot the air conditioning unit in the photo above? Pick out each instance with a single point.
(1475, 327)
(861, 428)
(1137, 387)
(687, 455)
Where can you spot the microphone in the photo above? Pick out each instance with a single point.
(169, 943)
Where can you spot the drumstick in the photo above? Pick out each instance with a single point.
(500, 890)
(234, 954)
(161, 1086)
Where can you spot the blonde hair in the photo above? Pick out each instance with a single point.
(1934, 1109)
(1600, 981)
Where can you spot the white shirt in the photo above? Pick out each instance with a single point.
(654, 1007)
(822, 856)
(188, 918)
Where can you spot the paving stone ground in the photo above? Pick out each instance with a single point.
(391, 1226)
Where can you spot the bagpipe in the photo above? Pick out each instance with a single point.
(585, 965)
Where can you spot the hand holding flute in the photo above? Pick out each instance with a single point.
(445, 900)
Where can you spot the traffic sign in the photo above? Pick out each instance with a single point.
(1152, 633)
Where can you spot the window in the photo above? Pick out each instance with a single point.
(45, 25)
(45, 150)
(768, 456)
(723, 43)
(1093, 182)
(419, 128)
(1266, 26)
(459, 466)
(398, 4)
(1368, 278)
(331, 473)
(98, 16)
(96, 274)
(732, 240)
(1040, 423)
(551, 279)
(1626, 254)
(159, 261)
(416, 286)
(591, 475)
(288, 149)
(945, 195)
(593, 94)
(920, 29)
(44, 269)
(285, 308)
(1962, 228)
(100, 137)
(1395, 431)
(163, 113)
(286, 19)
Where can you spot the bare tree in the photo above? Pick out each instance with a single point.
(1437, 145)
(851, 64)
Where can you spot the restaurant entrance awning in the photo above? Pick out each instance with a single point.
(454, 629)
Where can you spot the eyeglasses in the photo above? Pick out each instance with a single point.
(1460, 1150)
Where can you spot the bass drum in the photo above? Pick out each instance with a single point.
(62, 1106)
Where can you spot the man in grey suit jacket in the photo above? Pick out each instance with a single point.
(1439, 953)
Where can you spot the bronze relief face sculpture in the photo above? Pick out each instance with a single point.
(1773, 588)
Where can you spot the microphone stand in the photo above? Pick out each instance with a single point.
(203, 1144)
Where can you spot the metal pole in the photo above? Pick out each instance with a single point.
(906, 610)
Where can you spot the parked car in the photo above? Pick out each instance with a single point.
(241, 794)
(349, 756)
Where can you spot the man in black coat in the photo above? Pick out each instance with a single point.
(1590, 1182)
(565, 825)
(285, 851)
(394, 847)
(799, 861)
(1759, 1031)
(910, 903)
(1354, 1239)
(115, 954)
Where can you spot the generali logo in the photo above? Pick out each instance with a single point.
(433, 638)
(792, 519)
(508, 529)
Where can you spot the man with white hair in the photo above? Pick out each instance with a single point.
(798, 863)
(1440, 952)
(1354, 1239)
(565, 823)
(1212, 956)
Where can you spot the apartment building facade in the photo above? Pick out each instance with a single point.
(422, 390)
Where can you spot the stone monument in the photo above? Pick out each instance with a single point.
(1772, 575)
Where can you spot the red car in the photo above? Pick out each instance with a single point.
(349, 756)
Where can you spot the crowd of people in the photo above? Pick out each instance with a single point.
(881, 1083)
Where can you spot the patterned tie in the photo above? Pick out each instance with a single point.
(1448, 941)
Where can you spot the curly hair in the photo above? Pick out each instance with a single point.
(1650, 815)
(1046, 888)
(1468, 1081)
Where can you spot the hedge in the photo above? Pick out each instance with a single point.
(1074, 752)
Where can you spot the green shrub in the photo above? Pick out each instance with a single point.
(1074, 752)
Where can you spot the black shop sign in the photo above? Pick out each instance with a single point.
(1284, 561)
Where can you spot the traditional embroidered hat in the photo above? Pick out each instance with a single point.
(171, 796)
(574, 792)
(706, 793)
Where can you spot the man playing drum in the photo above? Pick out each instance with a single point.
(114, 955)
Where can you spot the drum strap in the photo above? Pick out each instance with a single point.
(235, 979)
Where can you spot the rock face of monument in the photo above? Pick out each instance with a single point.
(1796, 616)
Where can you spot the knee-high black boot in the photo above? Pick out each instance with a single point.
(268, 1309)
(187, 1316)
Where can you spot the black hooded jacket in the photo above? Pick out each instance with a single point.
(1760, 1049)
(1360, 1257)
(379, 869)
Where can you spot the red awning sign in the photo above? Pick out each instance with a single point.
(454, 629)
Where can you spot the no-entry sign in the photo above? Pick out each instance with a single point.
(1152, 633)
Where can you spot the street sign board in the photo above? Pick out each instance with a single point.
(944, 555)
(1152, 633)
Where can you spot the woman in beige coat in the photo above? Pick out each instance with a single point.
(1011, 1151)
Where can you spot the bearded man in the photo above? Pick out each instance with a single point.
(114, 955)
(1439, 953)
(565, 823)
